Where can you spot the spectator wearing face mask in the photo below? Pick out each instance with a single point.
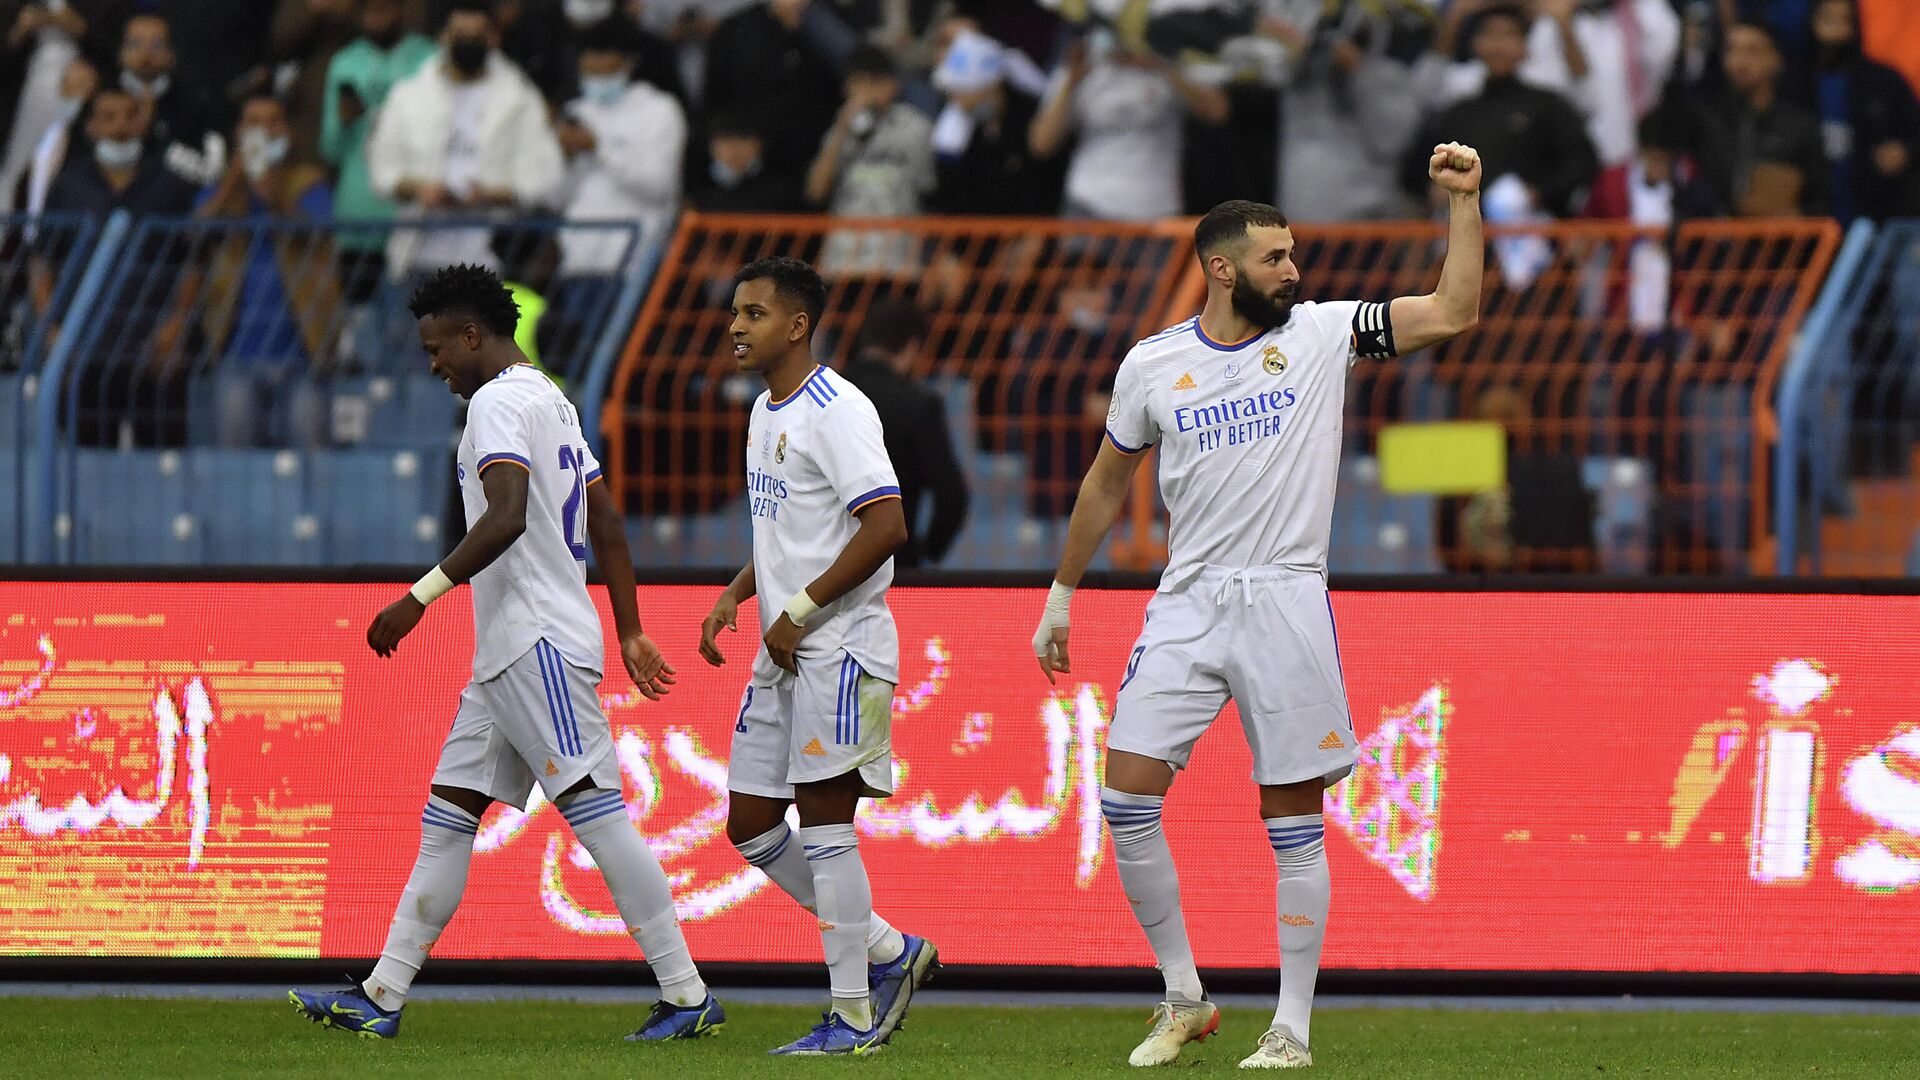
(263, 298)
(738, 178)
(549, 36)
(624, 139)
(466, 135)
(359, 78)
(186, 115)
(116, 166)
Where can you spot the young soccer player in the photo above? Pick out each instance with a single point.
(532, 712)
(1245, 401)
(814, 723)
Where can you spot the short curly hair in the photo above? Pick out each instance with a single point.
(467, 290)
(793, 281)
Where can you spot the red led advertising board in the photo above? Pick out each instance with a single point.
(1552, 781)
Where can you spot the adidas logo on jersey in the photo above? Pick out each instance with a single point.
(1332, 741)
(814, 749)
(1185, 382)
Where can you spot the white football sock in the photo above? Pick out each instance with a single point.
(640, 890)
(1305, 891)
(844, 906)
(778, 857)
(431, 897)
(1146, 873)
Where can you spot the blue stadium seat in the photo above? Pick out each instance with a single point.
(132, 508)
(381, 506)
(1623, 511)
(1378, 533)
(253, 505)
(432, 413)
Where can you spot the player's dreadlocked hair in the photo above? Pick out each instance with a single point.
(1228, 224)
(794, 280)
(467, 290)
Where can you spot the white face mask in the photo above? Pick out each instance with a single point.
(117, 153)
(139, 87)
(603, 89)
(260, 152)
(587, 12)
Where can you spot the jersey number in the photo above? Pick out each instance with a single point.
(572, 522)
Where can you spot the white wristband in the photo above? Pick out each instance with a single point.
(432, 586)
(801, 608)
(1058, 599)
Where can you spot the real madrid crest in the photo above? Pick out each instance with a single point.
(780, 449)
(1272, 360)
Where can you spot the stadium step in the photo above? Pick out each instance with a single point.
(1881, 538)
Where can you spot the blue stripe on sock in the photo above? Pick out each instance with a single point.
(1277, 834)
(596, 815)
(445, 821)
(817, 853)
(778, 848)
(1290, 845)
(585, 807)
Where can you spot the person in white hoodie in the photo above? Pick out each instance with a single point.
(467, 135)
(624, 139)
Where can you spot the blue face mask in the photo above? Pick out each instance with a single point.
(727, 177)
(603, 89)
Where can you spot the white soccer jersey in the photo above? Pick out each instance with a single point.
(538, 587)
(814, 458)
(1249, 434)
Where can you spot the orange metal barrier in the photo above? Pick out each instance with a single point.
(1620, 361)
(1028, 321)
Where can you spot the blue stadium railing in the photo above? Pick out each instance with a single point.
(252, 391)
(1847, 494)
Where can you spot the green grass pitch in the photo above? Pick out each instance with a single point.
(122, 1039)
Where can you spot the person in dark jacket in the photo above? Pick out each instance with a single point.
(738, 178)
(1764, 151)
(1869, 120)
(1519, 129)
(914, 420)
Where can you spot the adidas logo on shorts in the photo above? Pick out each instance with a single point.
(1332, 741)
(814, 749)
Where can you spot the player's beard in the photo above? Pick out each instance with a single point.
(1261, 309)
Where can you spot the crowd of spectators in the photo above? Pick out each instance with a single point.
(490, 112)
(1107, 109)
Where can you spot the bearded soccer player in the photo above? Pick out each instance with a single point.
(1245, 401)
(814, 728)
(531, 714)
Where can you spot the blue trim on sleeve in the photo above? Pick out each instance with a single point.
(854, 504)
(496, 458)
(1123, 447)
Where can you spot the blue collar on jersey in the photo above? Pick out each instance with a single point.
(816, 387)
(1212, 344)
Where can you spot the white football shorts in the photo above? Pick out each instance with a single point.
(537, 721)
(1263, 638)
(831, 719)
